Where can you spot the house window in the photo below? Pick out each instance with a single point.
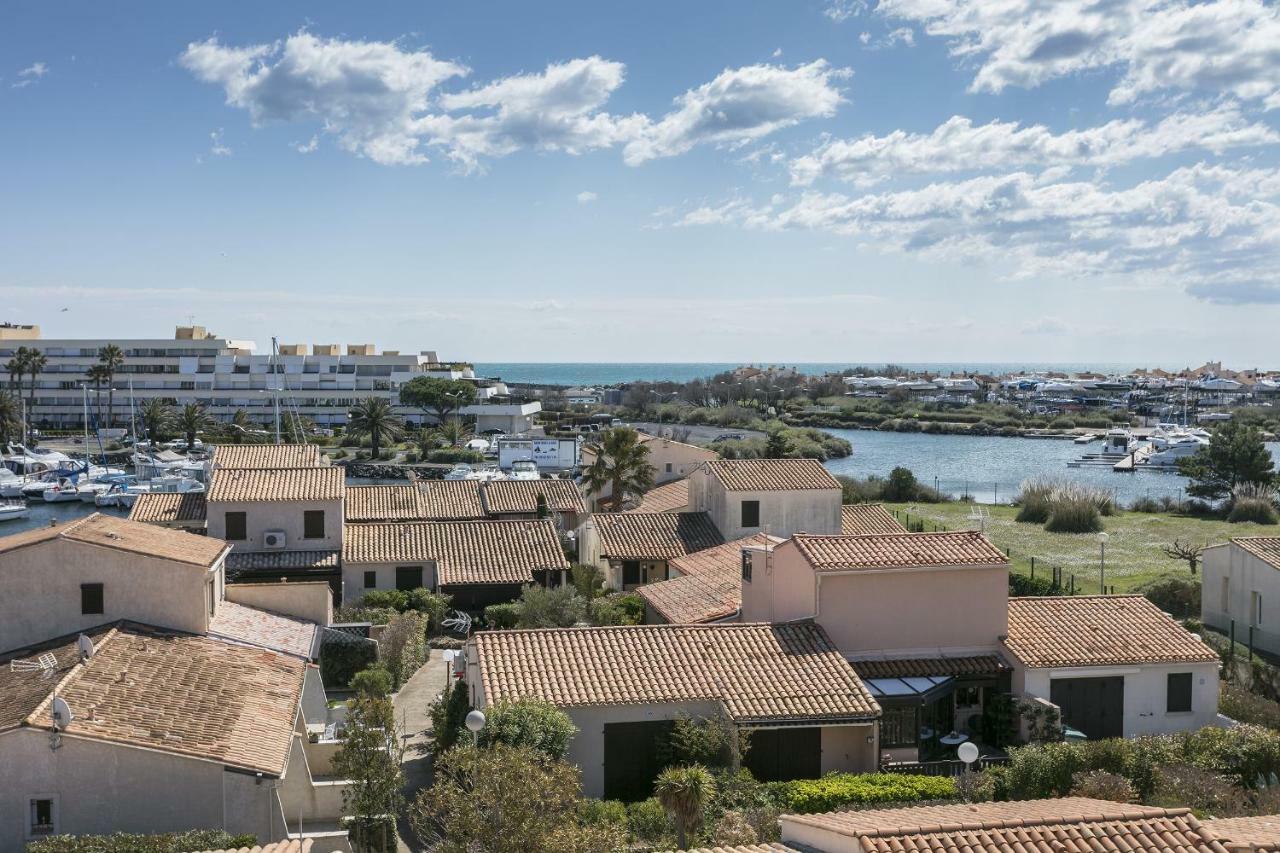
(1178, 692)
(1256, 609)
(370, 580)
(630, 573)
(751, 513)
(41, 817)
(1226, 595)
(91, 599)
(746, 566)
(668, 467)
(408, 577)
(968, 696)
(237, 525)
(899, 727)
(313, 524)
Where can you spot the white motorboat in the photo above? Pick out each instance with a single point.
(462, 471)
(12, 511)
(88, 492)
(61, 492)
(525, 469)
(1088, 438)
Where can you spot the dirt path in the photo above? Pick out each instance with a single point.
(411, 704)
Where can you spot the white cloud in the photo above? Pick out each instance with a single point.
(368, 94)
(308, 147)
(740, 105)
(385, 102)
(842, 10)
(557, 110)
(216, 146)
(1046, 326)
(31, 74)
(586, 197)
(957, 145)
(1213, 230)
(1227, 46)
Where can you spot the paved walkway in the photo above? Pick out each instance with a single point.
(412, 704)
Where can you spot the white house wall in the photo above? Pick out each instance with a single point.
(353, 588)
(261, 516)
(1245, 575)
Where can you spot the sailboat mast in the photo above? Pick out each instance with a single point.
(275, 384)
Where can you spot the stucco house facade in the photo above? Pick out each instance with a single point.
(775, 496)
(1241, 585)
(635, 548)
(808, 712)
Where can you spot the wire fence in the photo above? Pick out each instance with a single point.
(1005, 491)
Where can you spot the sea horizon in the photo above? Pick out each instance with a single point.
(585, 373)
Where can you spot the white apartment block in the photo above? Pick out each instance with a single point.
(318, 381)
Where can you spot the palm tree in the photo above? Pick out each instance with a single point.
(10, 417)
(455, 432)
(156, 415)
(191, 420)
(684, 793)
(622, 463)
(375, 418)
(36, 362)
(240, 426)
(111, 359)
(97, 374)
(17, 367)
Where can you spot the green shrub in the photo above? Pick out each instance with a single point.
(453, 455)
(532, 723)
(1257, 510)
(359, 613)
(342, 655)
(1101, 785)
(1024, 585)
(433, 605)
(374, 681)
(403, 647)
(808, 796)
(121, 842)
(603, 813)
(587, 580)
(1245, 707)
(1179, 597)
(448, 718)
(708, 741)
(502, 616)
(1034, 502)
(554, 607)
(648, 824)
(616, 609)
(386, 599)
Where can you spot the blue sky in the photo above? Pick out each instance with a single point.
(804, 181)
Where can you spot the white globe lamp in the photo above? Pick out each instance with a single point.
(475, 721)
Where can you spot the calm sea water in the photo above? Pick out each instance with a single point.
(596, 373)
(991, 468)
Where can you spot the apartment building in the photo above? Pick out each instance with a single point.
(317, 381)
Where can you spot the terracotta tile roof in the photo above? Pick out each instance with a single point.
(862, 519)
(669, 497)
(108, 531)
(744, 848)
(465, 552)
(1247, 833)
(163, 508)
(255, 561)
(1093, 630)
(1068, 825)
(20, 691)
(654, 535)
(263, 628)
(521, 496)
(450, 500)
(710, 585)
(976, 665)
(767, 475)
(178, 693)
(898, 550)
(382, 503)
(291, 846)
(276, 484)
(1265, 548)
(758, 672)
(268, 456)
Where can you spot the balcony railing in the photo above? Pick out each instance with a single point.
(950, 769)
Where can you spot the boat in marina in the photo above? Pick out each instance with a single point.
(524, 469)
(13, 510)
(62, 491)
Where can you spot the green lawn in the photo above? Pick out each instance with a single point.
(1134, 541)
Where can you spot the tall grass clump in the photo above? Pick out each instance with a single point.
(1253, 502)
(1063, 506)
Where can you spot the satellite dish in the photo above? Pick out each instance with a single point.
(86, 647)
(967, 752)
(62, 716)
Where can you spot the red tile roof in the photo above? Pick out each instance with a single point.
(465, 552)
(898, 550)
(860, 519)
(767, 475)
(119, 534)
(710, 585)
(1098, 630)
(669, 497)
(1265, 548)
(654, 535)
(256, 627)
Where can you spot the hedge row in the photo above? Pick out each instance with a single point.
(121, 842)
(809, 796)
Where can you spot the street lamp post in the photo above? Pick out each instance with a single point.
(1102, 545)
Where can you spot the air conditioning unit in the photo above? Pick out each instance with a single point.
(273, 540)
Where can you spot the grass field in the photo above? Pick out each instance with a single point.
(1134, 542)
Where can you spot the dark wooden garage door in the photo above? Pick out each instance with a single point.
(631, 758)
(1095, 706)
(776, 755)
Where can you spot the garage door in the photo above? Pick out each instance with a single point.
(1095, 706)
(631, 758)
(776, 755)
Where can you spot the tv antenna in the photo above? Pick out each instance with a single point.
(46, 664)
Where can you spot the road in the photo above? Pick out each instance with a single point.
(412, 704)
(692, 434)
